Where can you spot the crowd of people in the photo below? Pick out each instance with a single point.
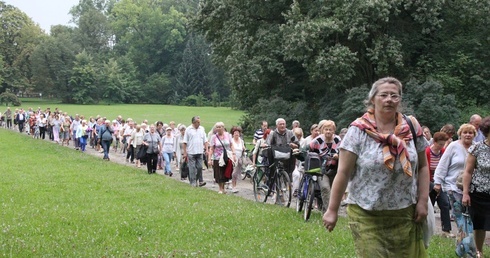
(385, 167)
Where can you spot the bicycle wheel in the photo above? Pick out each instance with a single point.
(309, 200)
(300, 200)
(283, 189)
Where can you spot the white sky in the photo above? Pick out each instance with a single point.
(46, 12)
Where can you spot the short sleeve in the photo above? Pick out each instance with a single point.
(421, 144)
(474, 149)
(350, 142)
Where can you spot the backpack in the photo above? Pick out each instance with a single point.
(312, 161)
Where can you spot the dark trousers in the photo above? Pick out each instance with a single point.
(50, 133)
(42, 132)
(106, 145)
(21, 126)
(443, 203)
(9, 123)
(130, 154)
(151, 162)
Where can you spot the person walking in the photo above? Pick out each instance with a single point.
(195, 142)
(136, 141)
(450, 165)
(153, 142)
(105, 138)
(388, 178)
(220, 144)
(178, 147)
(82, 135)
(168, 150)
(434, 153)
(8, 117)
(476, 186)
(238, 151)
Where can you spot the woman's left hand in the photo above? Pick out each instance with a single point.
(421, 211)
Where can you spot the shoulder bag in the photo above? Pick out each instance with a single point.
(225, 152)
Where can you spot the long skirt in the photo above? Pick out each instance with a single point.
(219, 172)
(480, 211)
(56, 134)
(388, 233)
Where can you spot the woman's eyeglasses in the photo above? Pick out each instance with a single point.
(394, 97)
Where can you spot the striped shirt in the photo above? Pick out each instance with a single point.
(433, 161)
(259, 134)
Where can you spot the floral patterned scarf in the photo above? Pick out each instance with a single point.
(393, 144)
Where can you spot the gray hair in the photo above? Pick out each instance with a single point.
(376, 84)
(280, 120)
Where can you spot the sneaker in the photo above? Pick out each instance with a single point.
(170, 175)
(202, 184)
(234, 190)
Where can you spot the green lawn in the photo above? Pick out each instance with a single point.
(62, 203)
(139, 112)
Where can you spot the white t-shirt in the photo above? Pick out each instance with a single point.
(167, 144)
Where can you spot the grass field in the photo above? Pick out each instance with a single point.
(139, 112)
(56, 202)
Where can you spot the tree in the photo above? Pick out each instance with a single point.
(431, 108)
(93, 30)
(310, 51)
(52, 62)
(119, 85)
(197, 74)
(84, 80)
(18, 38)
(149, 32)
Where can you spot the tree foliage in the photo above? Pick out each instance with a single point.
(83, 81)
(321, 52)
(52, 62)
(18, 38)
(305, 60)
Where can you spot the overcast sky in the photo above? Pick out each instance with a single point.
(46, 12)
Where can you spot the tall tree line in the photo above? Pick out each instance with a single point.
(312, 60)
(127, 51)
(305, 60)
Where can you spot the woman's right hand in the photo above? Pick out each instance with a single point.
(437, 188)
(330, 220)
(466, 200)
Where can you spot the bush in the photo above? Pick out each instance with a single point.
(9, 98)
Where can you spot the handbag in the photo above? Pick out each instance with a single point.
(465, 243)
(142, 152)
(228, 170)
(184, 170)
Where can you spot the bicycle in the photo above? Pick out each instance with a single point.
(309, 191)
(277, 184)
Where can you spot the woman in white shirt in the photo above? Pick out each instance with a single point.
(239, 148)
(168, 150)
